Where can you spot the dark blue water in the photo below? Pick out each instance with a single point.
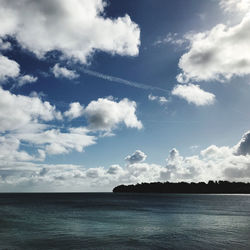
(124, 221)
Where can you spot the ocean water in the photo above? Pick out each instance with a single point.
(124, 221)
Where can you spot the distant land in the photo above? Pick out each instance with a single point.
(212, 187)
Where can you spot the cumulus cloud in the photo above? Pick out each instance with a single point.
(30, 124)
(75, 110)
(8, 68)
(22, 80)
(137, 156)
(57, 142)
(179, 168)
(211, 163)
(194, 94)
(243, 147)
(160, 99)
(9, 150)
(219, 53)
(76, 28)
(24, 111)
(64, 72)
(75, 177)
(94, 173)
(11, 69)
(115, 170)
(29, 119)
(144, 172)
(106, 114)
(235, 5)
(4, 45)
(215, 163)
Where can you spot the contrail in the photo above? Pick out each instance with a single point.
(122, 81)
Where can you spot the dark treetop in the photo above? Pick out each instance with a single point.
(217, 187)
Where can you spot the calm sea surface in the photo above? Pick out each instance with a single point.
(124, 221)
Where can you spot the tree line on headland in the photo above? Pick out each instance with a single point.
(212, 187)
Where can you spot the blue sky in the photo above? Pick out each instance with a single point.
(86, 84)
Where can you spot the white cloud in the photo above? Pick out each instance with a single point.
(106, 114)
(56, 142)
(235, 5)
(8, 68)
(74, 177)
(4, 45)
(171, 38)
(9, 150)
(243, 147)
(24, 119)
(18, 111)
(179, 168)
(115, 170)
(144, 172)
(64, 72)
(75, 110)
(137, 156)
(27, 120)
(212, 163)
(11, 69)
(76, 28)
(160, 99)
(37, 94)
(22, 80)
(194, 94)
(94, 173)
(219, 53)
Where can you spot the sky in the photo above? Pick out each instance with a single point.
(98, 93)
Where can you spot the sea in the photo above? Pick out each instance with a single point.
(124, 221)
